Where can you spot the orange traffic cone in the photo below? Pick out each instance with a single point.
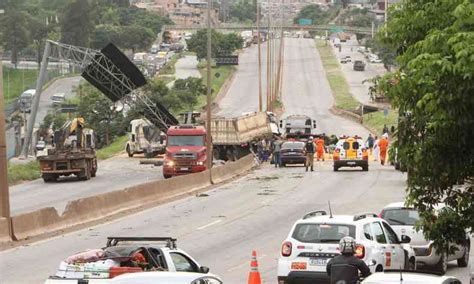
(254, 275)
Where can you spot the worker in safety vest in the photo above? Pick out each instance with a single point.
(383, 145)
(320, 148)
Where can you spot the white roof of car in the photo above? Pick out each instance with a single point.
(335, 219)
(402, 205)
(160, 277)
(408, 278)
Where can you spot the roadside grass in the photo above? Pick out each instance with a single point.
(166, 78)
(336, 79)
(113, 149)
(16, 81)
(23, 172)
(376, 120)
(224, 72)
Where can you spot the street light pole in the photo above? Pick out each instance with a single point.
(209, 91)
(4, 191)
(260, 103)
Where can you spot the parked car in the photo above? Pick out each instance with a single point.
(314, 240)
(408, 277)
(350, 152)
(292, 153)
(161, 277)
(403, 220)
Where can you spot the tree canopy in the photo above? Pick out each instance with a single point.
(317, 14)
(222, 44)
(433, 90)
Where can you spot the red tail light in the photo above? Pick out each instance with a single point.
(337, 150)
(286, 249)
(360, 251)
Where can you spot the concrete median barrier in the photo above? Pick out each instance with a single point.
(4, 236)
(97, 207)
(232, 169)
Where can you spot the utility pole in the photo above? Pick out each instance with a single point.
(260, 103)
(36, 99)
(209, 92)
(268, 63)
(4, 191)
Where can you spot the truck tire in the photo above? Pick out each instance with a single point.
(216, 154)
(365, 168)
(129, 152)
(166, 176)
(230, 155)
(49, 178)
(94, 168)
(336, 168)
(86, 172)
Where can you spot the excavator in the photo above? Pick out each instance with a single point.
(73, 153)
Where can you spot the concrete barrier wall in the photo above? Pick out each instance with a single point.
(4, 236)
(99, 206)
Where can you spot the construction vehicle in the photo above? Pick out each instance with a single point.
(73, 153)
(298, 127)
(144, 137)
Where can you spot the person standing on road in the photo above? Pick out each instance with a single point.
(276, 152)
(309, 149)
(383, 145)
(385, 129)
(376, 148)
(370, 142)
(344, 268)
(320, 148)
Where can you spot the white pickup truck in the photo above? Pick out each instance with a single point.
(161, 255)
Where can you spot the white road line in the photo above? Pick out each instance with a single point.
(210, 224)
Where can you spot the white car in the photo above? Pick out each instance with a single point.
(159, 253)
(166, 278)
(314, 240)
(408, 277)
(403, 219)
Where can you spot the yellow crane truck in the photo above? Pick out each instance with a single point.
(73, 153)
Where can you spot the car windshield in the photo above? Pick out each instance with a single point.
(185, 140)
(293, 145)
(322, 233)
(401, 216)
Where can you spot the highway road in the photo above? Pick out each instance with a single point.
(254, 212)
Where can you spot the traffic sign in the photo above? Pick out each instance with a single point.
(305, 22)
(227, 60)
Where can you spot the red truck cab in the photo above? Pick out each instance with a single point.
(185, 150)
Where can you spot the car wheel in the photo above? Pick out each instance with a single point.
(365, 168)
(410, 264)
(464, 260)
(336, 168)
(166, 176)
(130, 153)
(442, 265)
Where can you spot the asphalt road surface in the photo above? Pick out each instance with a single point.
(113, 174)
(254, 212)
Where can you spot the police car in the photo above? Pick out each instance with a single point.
(159, 254)
(314, 240)
(350, 152)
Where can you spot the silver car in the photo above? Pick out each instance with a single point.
(402, 219)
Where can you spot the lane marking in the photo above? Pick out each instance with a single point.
(210, 224)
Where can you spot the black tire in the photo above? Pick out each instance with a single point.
(130, 154)
(166, 176)
(283, 164)
(442, 265)
(49, 178)
(410, 264)
(464, 260)
(230, 155)
(216, 154)
(365, 168)
(336, 168)
(94, 168)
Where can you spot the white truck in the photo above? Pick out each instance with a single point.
(145, 138)
(298, 126)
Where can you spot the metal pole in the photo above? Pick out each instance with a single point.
(4, 192)
(260, 104)
(34, 107)
(268, 61)
(209, 91)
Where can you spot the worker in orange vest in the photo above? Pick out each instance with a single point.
(383, 145)
(320, 148)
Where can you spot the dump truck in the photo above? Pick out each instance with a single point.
(73, 153)
(232, 138)
(146, 138)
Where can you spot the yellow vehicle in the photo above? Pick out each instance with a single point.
(350, 152)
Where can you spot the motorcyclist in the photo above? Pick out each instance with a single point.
(345, 267)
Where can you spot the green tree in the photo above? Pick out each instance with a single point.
(14, 28)
(243, 10)
(433, 90)
(221, 44)
(77, 23)
(317, 14)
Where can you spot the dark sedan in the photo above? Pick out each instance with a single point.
(292, 153)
